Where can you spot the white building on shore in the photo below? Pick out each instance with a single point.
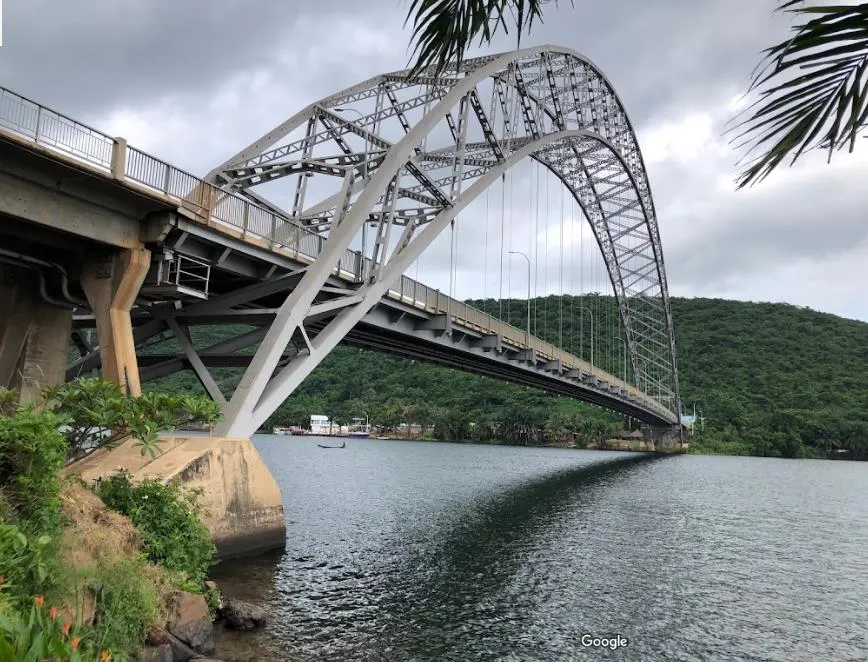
(321, 425)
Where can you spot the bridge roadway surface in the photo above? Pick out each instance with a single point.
(68, 191)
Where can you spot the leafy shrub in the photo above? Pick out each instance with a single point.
(32, 452)
(43, 635)
(127, 590)
(24, 563)
(97, 414)
(168, 517)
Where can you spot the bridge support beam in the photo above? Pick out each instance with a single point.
(490, 342)
(34, 334)
(439, 324)
(242, 500)
(526, 356)
(111, 286)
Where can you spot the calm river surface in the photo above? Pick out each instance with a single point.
(428, 551)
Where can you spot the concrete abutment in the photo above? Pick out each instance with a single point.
(242, 501)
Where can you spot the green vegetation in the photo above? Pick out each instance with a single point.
(168, 518)
(96, 414)
(129, 600)
(774, 379)
(32, 451)
(41, 634)
(79, 581)
(812, 88)
(770, 379)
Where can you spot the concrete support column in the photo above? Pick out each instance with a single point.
(668, 439)
(111, 286)
(34, 335)
(243, 503)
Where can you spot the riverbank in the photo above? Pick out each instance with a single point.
(94, 571)
(693, 445)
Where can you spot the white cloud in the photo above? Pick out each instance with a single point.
(684, 140)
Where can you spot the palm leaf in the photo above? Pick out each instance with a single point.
(444, 29)
(813, 90)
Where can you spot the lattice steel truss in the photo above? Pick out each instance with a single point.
(406, 155)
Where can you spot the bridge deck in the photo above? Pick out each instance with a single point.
(61, 138)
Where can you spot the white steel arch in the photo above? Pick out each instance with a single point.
(403, 164)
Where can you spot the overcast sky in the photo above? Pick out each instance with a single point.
(193, 82)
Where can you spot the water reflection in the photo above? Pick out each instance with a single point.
(470, 577)
(420, 551)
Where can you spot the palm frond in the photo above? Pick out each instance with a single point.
(813, 90)
(444, 29)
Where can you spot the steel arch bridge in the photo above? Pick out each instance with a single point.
(405, 155)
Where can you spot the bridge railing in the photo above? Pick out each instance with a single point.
(54, 130)
(216, 207)
(432, 300)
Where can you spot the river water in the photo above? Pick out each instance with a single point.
(430, 551)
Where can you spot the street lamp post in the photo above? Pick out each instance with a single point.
(624, 344)
(365, 179)
(527, 333)
(585, 309)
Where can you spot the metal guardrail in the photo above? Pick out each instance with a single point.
(184, 271)
(215, 207)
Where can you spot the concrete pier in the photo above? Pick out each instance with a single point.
(34, 334)
(111, 285)
(242, 501)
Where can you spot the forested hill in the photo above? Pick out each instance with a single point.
(746, 360)
(770, 379)
(772, 375)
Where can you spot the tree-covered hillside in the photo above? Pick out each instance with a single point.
(770, 379)
(775, 377)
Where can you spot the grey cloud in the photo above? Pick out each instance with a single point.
(91, 54)
(206, 78)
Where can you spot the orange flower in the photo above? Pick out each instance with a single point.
(53, 612)
(66, 627)
(105, 656)
(39, 600)
(75, 642)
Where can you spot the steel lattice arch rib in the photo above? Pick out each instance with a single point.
(405, 155)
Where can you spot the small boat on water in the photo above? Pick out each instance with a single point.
(343, 445)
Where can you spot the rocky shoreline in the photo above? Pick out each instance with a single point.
(188, 633)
